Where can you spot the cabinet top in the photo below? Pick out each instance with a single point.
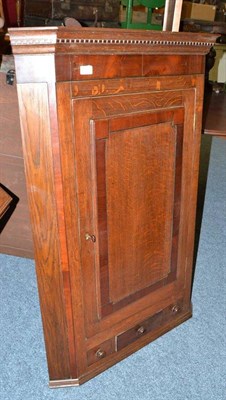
(107, 41)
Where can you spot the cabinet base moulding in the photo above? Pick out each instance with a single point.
(119, 356)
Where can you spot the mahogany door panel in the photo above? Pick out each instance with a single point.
(135, 173)
(140, 175)
(129, 195)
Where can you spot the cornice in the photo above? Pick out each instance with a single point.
(133, 42)
(102, 40)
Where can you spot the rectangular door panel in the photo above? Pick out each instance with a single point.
(134, 203)
(140, 188)
(136, 192)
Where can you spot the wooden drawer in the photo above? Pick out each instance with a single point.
(148, 325)
(101, 351)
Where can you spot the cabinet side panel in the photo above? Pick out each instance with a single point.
(194, 148)
(191, 149)
(36, 138)
(71, 213)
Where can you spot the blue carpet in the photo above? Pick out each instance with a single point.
(188, 363)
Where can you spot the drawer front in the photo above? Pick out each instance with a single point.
(148, 325)
(100, 352)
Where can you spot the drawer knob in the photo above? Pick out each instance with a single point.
(90, 237)
(100, 353)
(141, 330)
(175, 309)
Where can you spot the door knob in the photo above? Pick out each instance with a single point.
(90, 237)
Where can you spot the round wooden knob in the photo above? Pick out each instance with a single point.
(175, 309)
(100, 353)
(141, 330)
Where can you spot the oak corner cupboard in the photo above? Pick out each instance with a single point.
(111, 126)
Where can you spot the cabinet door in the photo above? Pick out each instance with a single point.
(129, 156)
(135, 195)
